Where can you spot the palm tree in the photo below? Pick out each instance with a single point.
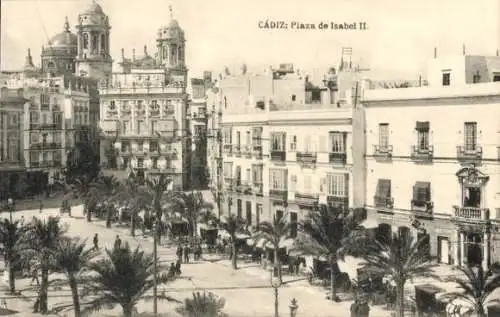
(202, 305)
(107, 188)
(41, 241)
(156, 190)
(233, 225)
(71, 258)
(192, 205)
(476, 286)
(11, 234)
(274, 232)
(122, 278)
(331, 232)
(402, 259)
(134, 200)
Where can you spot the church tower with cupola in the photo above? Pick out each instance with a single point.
(58, 56)
(93, 57)
(171, 45)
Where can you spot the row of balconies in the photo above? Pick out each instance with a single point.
(152, 153)
(124, 113)
(464, 153)
(426, 209)
(247, 151)
(45, 164)
(46, 126)
(45, 145)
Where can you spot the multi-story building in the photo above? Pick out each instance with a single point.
(432, 159)
(198, 119)
(12, 169)
(287, 143)
(143, 111)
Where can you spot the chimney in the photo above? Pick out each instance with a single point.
(463, 49)
(435, 52)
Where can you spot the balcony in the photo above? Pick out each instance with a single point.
(257, 151)
(45, 146)
(340, 202)
(278, 156)
(244, 189)
(228, 149)
(422, 209)
(45, 126)
(237, 150)
(45, 164)
(278, 195)
(306, 199)
(229, 182)
(420, 154)
(154, 152)
(382, 152)
(337, 158)
(258, 189)
(469, 154)
(471, 213)
(139, 152)
(306, 159)
(383, 202)
(247, 151)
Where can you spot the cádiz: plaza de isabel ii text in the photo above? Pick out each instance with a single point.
(332, 25)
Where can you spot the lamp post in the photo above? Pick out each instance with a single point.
(276, 284)
(10, 206)
(155, 269)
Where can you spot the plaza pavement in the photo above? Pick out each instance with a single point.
(247, 291)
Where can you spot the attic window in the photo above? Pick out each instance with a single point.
(294, 97)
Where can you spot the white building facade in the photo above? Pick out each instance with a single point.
(432, 159)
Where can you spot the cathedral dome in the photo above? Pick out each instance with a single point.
(65, 39)
(94, 8)
(172, 30)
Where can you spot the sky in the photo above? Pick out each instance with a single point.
(400, 36)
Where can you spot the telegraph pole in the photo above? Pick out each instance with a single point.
(219, 164)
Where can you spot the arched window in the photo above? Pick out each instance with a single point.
(173, 55)
(51, 64)
(181, 53)
(85, 40)
(165, 52)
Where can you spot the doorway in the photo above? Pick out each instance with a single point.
(473, 248)
(472, 197)
(443, 250)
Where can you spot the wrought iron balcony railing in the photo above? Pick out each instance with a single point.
(306, 199)
(419, 153)
(382, 151)
(278, 156)
(337, 158)
(469, 152)
(471, 213)
(422, 208)
(278, 194)
(306, 158)
(384, 202)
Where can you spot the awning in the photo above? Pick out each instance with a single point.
(384, 188)
(422, 126)
(286, 243)
(369, 223)
(350, 265)
(422, 192)
(242, 236)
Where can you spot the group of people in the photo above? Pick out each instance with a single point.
(360, 308)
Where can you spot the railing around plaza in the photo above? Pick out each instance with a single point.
(472, 213)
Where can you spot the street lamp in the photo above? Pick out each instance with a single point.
(276, 284)
(155, 269)
(10, 207)
(293, 307)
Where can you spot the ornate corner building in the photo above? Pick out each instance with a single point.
(143, 110)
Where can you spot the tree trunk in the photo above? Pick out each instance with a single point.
(44, 287)
(74, 294)
(480, 310)
(127, 310)
(132, 224)
(234, 256)
(277, 262)
(109, 214)
(333, 285)
(86, 207)
(400, 301)
(12, 276)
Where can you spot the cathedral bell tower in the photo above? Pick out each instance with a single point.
(170, 43)
(93, 57)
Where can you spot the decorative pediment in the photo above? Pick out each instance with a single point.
(472, 177)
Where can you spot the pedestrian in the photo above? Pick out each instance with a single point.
(178, 267)
(171, 270)
(4, 303)
(34, 277)
(179, 252)
(186, 253)
(96, 242)
(118, 242)
(355, 308)
(22, 219)
(364, 309)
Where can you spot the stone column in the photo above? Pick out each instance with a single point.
(486, 250)
(456, 260)
(462, 248)
(80, 44)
